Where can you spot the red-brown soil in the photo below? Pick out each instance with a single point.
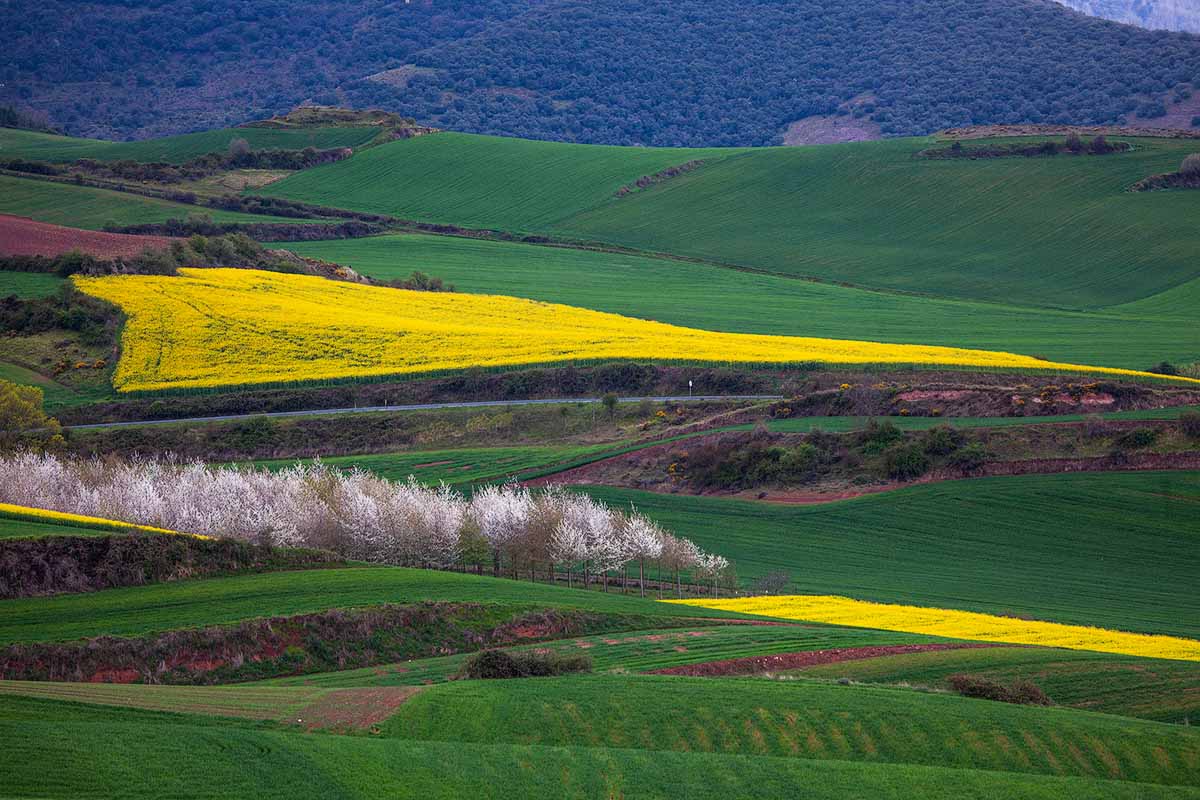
(750, 665)
(354, 708)
(21, 236)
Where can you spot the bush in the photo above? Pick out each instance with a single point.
(904, 462)
(1164, 368)
(1019, 692)
(1190, 165)
(970, 459)
(1189, 423)
(878, 436)
(942, 440)
(492, 664)
(1138, 437)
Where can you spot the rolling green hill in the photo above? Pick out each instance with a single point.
(481, 181)
(86, 207)
(1137, 687)
(15, 143)
(460, 466)
(806, 720)
(188, 604)
(59, 749)
(639, 651)
(28, 284)
(716, 298)
(1114, 550)
(1057, 231)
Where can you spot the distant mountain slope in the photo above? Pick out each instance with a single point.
(1166, 15)
(686, 72)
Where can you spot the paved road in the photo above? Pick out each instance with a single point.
(427, 407)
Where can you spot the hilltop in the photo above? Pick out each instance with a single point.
(612, 73)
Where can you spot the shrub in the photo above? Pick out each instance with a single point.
(904, 462)
(492, 664)
(1164, 368)
(1190, 165)
(942, 440)
(970, 459)
(1138, 437)
(878, 436)
(1019, 692)
(1189, 423)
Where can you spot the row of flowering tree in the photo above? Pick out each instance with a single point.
(360, 516)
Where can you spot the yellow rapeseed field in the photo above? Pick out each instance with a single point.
(29, 514)
(220, 327)
(957, 624)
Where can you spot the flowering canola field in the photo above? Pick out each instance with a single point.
(29, 514)
(957, 624)
(221, 327)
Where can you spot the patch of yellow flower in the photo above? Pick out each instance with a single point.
(30, 514)
(836, 610)
(220, 327)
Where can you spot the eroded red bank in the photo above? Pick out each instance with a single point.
(750, 665)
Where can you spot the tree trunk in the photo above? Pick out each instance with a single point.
(495, 563)
(642, 577)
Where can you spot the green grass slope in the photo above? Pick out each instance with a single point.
(1138, 687)
(189, 604)
(39, 146)
(640, 651)
(717, 298)
(481, 181)
(26, 285)
(90, 208)
(459, 466)
(805, 720)
(56, 749)
(1037, 231)
(1114, 550)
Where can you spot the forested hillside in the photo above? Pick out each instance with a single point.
(690, 72)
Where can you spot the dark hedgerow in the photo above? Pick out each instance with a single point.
(489, 664)
(1019, 692)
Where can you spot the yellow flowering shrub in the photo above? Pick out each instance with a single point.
(215, 327)
(29, 514)
(957, 624)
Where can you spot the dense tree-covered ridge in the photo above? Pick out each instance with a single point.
(689, 72)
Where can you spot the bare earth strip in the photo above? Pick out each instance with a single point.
(750, 665)
(310, 707)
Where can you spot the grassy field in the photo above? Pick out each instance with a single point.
(188, 604)
(807, 720)
(51, 751)
(28, 284)
(1114, 550)
(280, 704)
(716, 298)
(1034, 231)
(86, 207)
(1137, 687)
(24, 529)
(460, 466)
(640, 651)
(481, 181)
(16, 143)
